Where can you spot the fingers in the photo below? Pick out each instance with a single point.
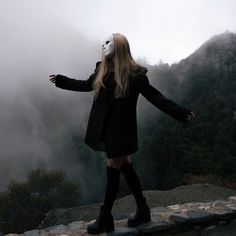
(53, 81)
(52, 78)
(191, 115)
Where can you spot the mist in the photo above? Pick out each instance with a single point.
(39, 121)
(42, 125)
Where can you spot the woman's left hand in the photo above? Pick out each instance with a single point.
(191, 115)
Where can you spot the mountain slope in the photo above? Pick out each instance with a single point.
(205, 82)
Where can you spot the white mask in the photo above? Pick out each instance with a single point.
(108, 46)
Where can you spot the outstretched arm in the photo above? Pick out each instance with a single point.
(67, 83)
(164, 104)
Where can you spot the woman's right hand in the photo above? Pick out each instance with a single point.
(53, 78)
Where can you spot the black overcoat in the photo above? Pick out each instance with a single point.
(112, 124)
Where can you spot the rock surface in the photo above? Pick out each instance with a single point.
(124, 206)
(195, 218)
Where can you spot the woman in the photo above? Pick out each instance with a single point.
(112, 125)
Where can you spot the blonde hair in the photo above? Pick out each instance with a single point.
(122, 62)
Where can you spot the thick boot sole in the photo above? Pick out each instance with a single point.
(131, 222)
(104, 223)
(106, 229)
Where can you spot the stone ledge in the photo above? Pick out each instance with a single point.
(165, 220)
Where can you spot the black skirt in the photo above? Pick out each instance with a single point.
(102, 143)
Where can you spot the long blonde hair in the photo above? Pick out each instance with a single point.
(122, 63)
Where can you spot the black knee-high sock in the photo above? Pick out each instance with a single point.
(133, 182)
(112, 187)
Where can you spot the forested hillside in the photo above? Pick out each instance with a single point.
(173, 153)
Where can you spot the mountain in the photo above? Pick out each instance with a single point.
(204, 82)
(171, 153)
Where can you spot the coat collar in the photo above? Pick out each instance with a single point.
(141, 70)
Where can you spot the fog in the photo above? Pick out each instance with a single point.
(38, 120)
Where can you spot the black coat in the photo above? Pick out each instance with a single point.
(112, 124)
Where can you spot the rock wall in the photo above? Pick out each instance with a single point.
(194, 218)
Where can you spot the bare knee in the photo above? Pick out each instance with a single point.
(127, 160)
(115, 162)
(118, 161)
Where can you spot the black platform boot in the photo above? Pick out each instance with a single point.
(142, 214)
(105, 221)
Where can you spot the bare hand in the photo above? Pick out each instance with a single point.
(191, 115)
(53, 78)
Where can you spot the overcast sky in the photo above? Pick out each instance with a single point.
(156, 29)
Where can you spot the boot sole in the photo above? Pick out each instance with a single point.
(133, 225)
(105, 229)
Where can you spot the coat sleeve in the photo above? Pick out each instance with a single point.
(161, 102)
(67, 83)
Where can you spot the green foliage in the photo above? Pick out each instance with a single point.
(24, 205)
(205, 146)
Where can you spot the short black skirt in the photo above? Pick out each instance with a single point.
(102, 147)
